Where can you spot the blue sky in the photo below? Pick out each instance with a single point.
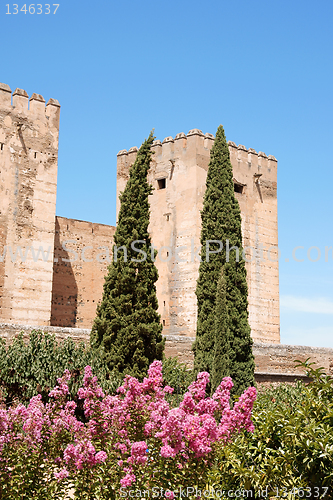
(263, 69)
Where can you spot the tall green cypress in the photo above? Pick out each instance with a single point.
(221, 221)
(127, 327)
(221, 356)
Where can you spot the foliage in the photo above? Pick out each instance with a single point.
(31, 368)
(221, 222)
(131, 440)
(292, 445)
(176, 375)
(221, 361)
(127, 328)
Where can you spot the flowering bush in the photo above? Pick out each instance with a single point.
(132, 440)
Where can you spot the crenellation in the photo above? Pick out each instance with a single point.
(21, 100)
(195, 131)
(168, 147)
(180, 144)
(122, 152)
(52, 112)
(37, 104)
(209, 141)
(242, 154)
(157, 149)
(5, 96)
(168, 139)
(262, 162)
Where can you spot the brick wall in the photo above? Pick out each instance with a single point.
(79, 269)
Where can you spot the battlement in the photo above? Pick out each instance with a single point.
(19, 102)
(194, 149)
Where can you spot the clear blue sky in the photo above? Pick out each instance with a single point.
(261, 68)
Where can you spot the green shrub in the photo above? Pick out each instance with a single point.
(28, 369)
(292, 445)
(176, 375)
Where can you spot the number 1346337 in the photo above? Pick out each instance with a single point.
(33, 8)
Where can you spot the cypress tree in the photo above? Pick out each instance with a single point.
(221, 361)
(221, 221)
(127, 328)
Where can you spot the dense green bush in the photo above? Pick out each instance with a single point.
(28, 369)
(292, 445)
(178, 376)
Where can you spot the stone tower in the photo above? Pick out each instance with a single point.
(178, 175)
(29, 133)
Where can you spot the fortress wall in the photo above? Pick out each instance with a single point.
(78, 285)
(274, 363)
(29, 133)
(258, 204)
(175, 223)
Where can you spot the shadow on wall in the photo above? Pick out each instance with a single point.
(64, 287)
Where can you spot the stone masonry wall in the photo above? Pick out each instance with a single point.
(274, 363)
(178, 175)
(28, 179)
(82, 253)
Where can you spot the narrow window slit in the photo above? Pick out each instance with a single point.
(161, 183)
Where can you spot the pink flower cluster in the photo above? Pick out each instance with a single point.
(132, 433)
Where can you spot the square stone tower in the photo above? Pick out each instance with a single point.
(178, 175)
(29, 133)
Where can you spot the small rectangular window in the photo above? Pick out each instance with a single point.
(35, 155)
(1, 146)
(238, 188)
(164, 322)
(161, 183)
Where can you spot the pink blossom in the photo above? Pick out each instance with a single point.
(128, 479)
(62, 474)
(100, 457)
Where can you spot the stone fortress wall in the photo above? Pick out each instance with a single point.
(78, 285)
(59, 289)
(28, 183)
